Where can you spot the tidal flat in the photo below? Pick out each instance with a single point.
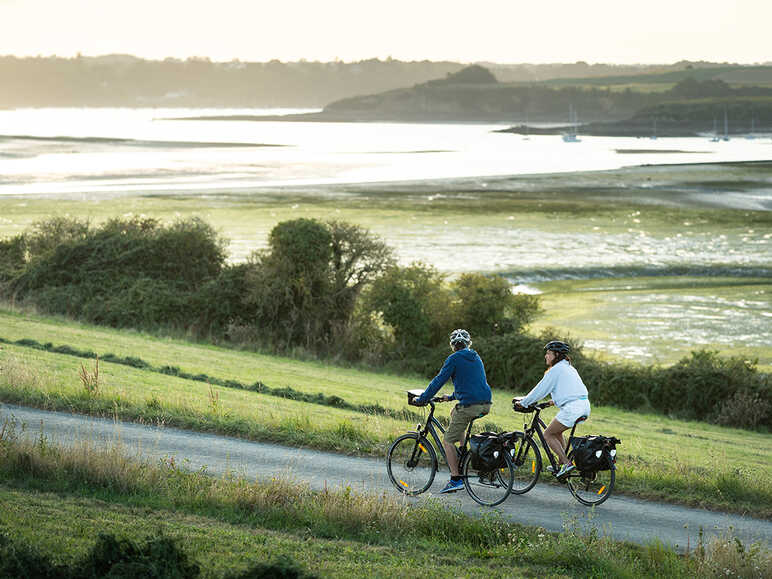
(692, 240)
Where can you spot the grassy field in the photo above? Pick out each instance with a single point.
(660, 458)
(57, 502)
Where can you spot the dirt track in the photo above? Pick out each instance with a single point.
(546, 506)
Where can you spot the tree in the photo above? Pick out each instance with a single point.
(305, 287)
(414, 303)
(485, 305)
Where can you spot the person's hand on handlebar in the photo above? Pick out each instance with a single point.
(516, 403)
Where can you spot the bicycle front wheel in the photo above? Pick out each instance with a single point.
(592, 488)
(412, 464)
(526, 460)
(489, 487)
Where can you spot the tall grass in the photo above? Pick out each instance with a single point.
(283, 505)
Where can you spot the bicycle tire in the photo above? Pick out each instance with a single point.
(527, 464)
(592, 488)
(411, 464)
(489, 488)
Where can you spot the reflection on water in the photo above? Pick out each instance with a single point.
(520, 253)
(648, 326)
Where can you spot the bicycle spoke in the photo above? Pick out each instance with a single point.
(527, 465)
(490, 487)
(592, 488)
(411, 464)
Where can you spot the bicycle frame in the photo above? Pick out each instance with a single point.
(435, 429)
(537, 426)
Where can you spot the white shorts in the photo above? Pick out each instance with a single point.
(571, 411)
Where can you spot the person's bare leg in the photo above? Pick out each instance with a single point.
(553, 434)
(451, 453)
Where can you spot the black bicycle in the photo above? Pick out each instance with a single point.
(412, 462)
(588, 487)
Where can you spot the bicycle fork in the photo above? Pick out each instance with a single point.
(417, 450)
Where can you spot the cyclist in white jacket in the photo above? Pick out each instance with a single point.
(563, 383)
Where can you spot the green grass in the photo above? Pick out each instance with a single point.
(660, 458)
(58, 501)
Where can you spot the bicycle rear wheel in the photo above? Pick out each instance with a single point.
(490, 487)
(592, 488)
(526, 460)
(412, 464)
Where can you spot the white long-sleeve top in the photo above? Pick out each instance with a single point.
(562, 382)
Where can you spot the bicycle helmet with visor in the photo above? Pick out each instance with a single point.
(461, 336)
(557, 346)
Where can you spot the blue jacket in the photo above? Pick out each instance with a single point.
(469, 384)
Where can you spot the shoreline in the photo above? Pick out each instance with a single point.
(592, 183)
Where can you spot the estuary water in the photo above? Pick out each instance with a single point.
(66, 152)
(93, 154)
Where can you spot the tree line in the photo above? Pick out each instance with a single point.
(333, 290)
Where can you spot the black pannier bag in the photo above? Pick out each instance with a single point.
(487, 451)
(594, 453)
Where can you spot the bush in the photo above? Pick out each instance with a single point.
(485, 305)
(13, 257)
(159, 557)
(414, 303)
(220, 304)
(128, 273)
(698, 385)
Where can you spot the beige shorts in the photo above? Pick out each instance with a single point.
(460, 417)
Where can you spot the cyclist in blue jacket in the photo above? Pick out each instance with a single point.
(470, 389)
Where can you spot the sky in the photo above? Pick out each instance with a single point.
(504, 31)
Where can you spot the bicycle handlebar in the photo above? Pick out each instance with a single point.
(526, 410)
(412, 395)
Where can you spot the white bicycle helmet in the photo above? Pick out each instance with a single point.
(460, 335)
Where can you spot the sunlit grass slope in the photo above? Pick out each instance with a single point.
(660, 457)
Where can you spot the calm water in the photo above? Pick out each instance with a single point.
(114, 151)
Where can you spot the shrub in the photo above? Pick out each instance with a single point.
(698, 385)
(414, 303)
(128, 273)
(744, 409)
(486, 305)
(13, 257)
(158, 557)
(220, 305)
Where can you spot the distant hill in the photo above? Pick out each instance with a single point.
(474, 74)
(731, 74)
(127, 81)
(474, 94)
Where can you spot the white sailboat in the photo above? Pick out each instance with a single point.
(752, 134)
(527, 135)
(714, 138)
(726, 127)
(570, 136)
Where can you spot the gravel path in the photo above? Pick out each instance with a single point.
(546, 506)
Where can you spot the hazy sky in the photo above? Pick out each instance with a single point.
(619, 31)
